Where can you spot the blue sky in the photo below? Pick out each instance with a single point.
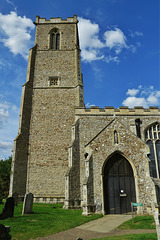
(120, 53)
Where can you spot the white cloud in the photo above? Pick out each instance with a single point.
(91, 55)
(1, 64)
(5, 149)
(16, 31)
(109, 59)
(88, 34)
(88, 105)
(93, 48)
(157, 93)
(9, 114)
(135, 101)
(5, 108)
(11, 3)
(136, 34)
(115, 39)
(3, 113)
(132, 92)
(4, 105)
(91, 44)
(6, 145)
(89, 40)
(142, 96)
(133, 48)
(152, 99)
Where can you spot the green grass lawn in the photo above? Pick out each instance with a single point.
(45, 220)
(147, 236)
(48, 219)
(140, 222)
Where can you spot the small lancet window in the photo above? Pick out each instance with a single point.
(55, 39)
(138, 123)
(115, 137)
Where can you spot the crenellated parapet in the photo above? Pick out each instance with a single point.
(93, 110)
(56, 20)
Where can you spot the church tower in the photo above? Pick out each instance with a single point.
(53, 89)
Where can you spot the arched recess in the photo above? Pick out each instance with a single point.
(118, 185)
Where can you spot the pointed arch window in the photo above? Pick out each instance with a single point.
(152, 137)
(55, 39)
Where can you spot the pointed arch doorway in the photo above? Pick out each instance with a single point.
(118, 185)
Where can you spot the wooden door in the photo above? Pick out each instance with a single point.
(119, 185)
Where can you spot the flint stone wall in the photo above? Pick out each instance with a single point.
(133, 148)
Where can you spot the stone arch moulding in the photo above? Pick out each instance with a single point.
(134, 175)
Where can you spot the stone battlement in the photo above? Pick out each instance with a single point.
(93, 110)
(56, 20)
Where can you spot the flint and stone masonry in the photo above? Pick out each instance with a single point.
(90, 158)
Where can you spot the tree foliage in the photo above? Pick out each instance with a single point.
(5, 170)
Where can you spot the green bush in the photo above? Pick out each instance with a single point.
(5, 170)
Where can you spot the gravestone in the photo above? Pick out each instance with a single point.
(4, 233)
(15, 196)
(28, 203)
(8, 210)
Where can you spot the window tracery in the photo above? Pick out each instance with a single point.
(55, 39)
(152, 137)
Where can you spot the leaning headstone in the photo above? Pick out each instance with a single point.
(4, 233)
(8, 210)
(28, 203)
(15, 196)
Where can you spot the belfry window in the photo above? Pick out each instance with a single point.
(55, 39)
(152, 137)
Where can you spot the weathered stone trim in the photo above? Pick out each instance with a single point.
(49, 199)
(125, 111)
(58, 87)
